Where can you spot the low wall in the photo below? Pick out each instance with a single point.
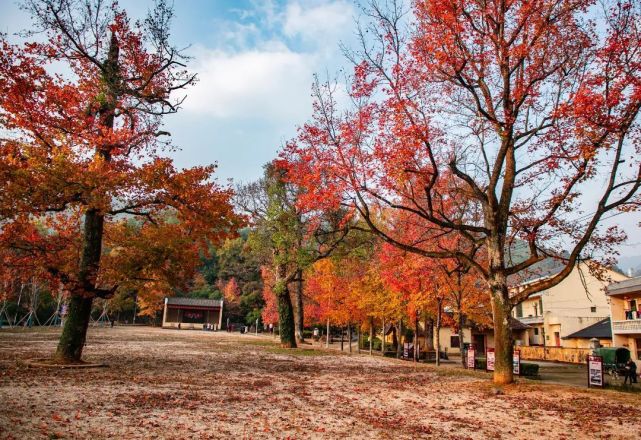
(559, 354)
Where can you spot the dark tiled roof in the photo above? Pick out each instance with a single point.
(600, 330)
(515, 324)
(194, 302)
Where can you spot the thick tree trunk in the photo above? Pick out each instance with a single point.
(503, 349)
(300, 311)
(429, 334)
(285, 317)
(74, 332)
(285, 309)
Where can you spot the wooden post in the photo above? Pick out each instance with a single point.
(371, 333)
(383, 341)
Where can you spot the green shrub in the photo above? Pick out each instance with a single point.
(530, 370)
(307, 334)
(480, 364)
(376, 344)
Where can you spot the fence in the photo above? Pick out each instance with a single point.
(559, 354)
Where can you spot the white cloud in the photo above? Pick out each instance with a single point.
(271, 84)
(318, 23)
(269, 80)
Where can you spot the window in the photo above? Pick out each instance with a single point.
(519, 310)
(454, 341)
(541, 306)
(536, 331)
(593, 309)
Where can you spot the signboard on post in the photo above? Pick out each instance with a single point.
(595, 371)
(516, 362)
(407, 350)
(470, 357)
(489, 356)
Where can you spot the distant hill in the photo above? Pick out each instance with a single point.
(633, 262)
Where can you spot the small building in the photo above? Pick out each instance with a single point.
(625, 313)
(482, 337)
(602, 331)
(192, 313)
(577, 302)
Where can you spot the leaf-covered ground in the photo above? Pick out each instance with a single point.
(190, 384)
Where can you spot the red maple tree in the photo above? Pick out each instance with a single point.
(523, 113)
(81, 148)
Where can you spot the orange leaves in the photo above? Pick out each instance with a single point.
(337, 290)
(269, 313)
(88, 140)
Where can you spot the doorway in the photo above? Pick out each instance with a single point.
(479, 343)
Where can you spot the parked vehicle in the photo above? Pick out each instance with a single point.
(614, 359)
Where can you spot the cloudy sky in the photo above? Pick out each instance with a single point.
(255, 61)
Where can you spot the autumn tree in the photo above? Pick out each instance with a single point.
(336, 285)
(269, 313)
(81, 106)
(525, 111)
(289, 239)
(236, 259)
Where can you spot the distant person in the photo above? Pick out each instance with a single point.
(630, 372)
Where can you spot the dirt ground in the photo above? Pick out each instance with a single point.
(192, 384)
